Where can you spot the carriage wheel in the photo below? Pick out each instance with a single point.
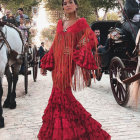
(35, 64)
(120, 90)
(98, 74)
(89, 82)
(26, 72)
(88, 74)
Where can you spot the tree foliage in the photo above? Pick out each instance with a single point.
(48, 33)
(13, 5)
(112, 16)
(87, 8)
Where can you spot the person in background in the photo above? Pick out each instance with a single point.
(41, 51)
(21, 15)
(24, 33)
(97, 33)
(9, 18)
(101, 48)
(23, 30)
(132, 17)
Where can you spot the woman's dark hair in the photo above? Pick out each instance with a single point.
(75, 1)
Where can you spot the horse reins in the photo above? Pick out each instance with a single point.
(2, 45)
(137, 45)
(127, 18)
(20, 35)
(4, 41)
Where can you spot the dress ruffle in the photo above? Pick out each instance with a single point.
(47, 62)
(65, 119)
(84, 58)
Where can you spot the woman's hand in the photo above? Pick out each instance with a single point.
(43, 72)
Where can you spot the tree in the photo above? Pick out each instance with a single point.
(84, 9)
(87, 9)
(104, 4)
(112, 16)
(13, 5)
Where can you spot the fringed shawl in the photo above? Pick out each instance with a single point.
(70, 57)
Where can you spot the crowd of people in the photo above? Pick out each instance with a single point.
(19, 21)
(9, 17)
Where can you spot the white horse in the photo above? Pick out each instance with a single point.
(135, 86)
(13, 37)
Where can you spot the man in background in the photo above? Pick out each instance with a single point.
(97, 33)
(41, 51)
(9, 18)
(21, 15)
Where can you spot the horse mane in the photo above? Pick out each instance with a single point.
(16, 28)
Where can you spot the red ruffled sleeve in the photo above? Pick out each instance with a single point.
(83, 56)
(47, 62)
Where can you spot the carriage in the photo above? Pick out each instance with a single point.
(118, 59)
(29, 55)
(30, 60)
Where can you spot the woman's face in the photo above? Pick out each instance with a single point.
(69, 6)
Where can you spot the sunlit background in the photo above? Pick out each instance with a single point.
(42, 22)
(2, 11)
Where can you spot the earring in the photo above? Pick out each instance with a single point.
(76, 16)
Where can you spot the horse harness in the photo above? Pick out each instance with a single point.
(4, 41)
(3, 38)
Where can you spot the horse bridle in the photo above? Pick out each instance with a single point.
(4, 41)
(2, 45)
(3, 38)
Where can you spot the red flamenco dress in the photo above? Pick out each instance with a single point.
(70, 59)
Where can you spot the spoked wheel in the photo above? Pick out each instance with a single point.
(88, 75)
(98, 74)
(35, 64)
(26, 72)
(89, 82)
(117, 74)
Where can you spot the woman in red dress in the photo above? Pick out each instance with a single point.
(70, 59)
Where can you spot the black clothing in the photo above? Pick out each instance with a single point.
(134, 28)
(98, 38)
(103, 49)
(9, 20)
(101, 40)
(41, 53)
(131, 8)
